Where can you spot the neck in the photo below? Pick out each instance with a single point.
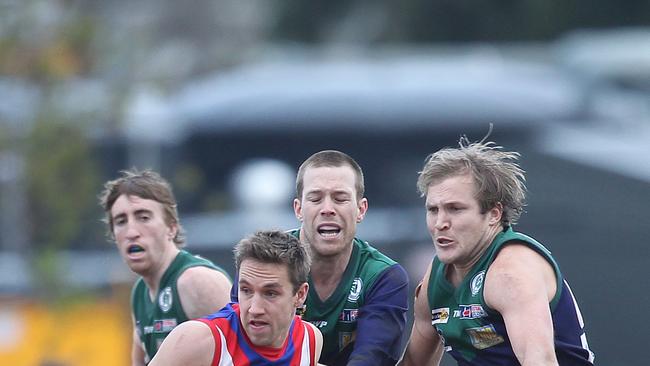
(458, 271)
(326, 272)
(152, 280)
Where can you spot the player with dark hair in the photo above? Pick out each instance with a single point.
(263, 328)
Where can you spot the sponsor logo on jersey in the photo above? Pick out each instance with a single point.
(164, 325)
(355, 290)
(484, 337)
(148, 329)
(319, 323)
(439, 316)
(165, 299)
(349, 315)
(477, 282)
(472, 311)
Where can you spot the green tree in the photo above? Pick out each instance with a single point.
(62, 181)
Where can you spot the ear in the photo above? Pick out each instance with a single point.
(301, 294)
(297, 208)
(362, 205)
(495, 214)
(172, 229)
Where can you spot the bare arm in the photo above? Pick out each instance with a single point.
(424, 346)
(203, 291)
(189, 344)
(519, 285)
(137, 350)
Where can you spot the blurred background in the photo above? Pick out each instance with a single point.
(226, 97)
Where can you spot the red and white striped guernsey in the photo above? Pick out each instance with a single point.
(233, 348)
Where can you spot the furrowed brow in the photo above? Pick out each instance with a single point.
(143, 211)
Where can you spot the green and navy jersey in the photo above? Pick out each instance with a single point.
(154, 320)
(363, 321)
(475, 334)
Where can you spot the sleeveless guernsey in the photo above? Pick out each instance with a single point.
(475, 334)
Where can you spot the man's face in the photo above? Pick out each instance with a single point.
(459, 230)
(267, 301)
(142, 236)
(329, 209)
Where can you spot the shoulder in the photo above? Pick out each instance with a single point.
(518, 270)
(392, 276)
(515, 257)
(203, 290)
(201, 276)
(371, 258)
(314, 328)
(193, 329)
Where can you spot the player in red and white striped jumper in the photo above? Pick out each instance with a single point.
(263, 328)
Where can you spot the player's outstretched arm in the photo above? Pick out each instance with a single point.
(189, 344)
(519, 285)
(424, 346)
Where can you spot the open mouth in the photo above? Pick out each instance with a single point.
(443, 241)
(257, 323)
(329, 230)
(134, 248)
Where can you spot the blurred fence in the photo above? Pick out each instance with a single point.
(87, 332)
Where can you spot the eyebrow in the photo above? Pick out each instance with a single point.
(319, 191)
(137, 212)
(269, 285)
(443, 204)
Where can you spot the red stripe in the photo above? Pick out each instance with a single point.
(216, 358)
(312, 343)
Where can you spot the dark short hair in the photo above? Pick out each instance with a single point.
(330, 158)
(145, 184)
(274, 246)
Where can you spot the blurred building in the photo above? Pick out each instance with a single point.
(214, 98)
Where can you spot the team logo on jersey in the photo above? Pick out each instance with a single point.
(439, 316)
(349, 315)
(484, 337)
(473, 311)
(355, 290)
(477, 282)
(165, 299)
